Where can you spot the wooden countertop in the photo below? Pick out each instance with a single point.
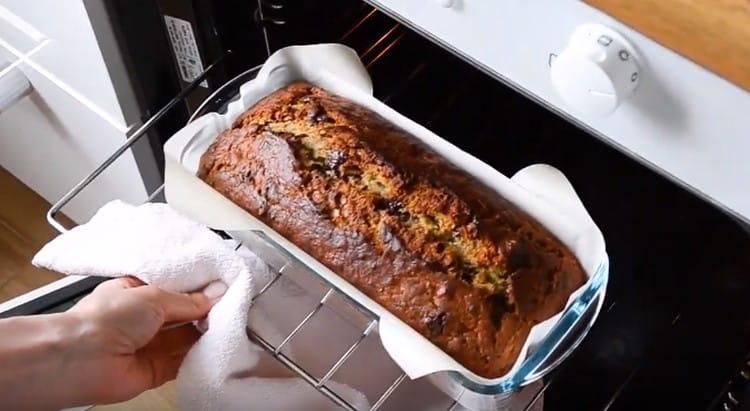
(713, 33)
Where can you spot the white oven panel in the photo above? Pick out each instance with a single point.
(681, 118)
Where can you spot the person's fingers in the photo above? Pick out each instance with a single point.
(152, 372)
(131, 282)
(161, 358)
(172, 341)
(166, 368)
(176, 306)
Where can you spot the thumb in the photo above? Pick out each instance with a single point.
(159, 361)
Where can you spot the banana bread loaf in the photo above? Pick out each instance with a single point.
(444, 253)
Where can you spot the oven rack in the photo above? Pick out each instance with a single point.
(270, 253)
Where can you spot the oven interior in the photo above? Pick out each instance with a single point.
(675, 328)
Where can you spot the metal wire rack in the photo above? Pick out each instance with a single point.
(276, 349)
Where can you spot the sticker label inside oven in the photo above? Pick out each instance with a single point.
(185, 48)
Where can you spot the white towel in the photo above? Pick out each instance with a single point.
(223, 370)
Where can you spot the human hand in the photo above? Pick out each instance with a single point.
(126, 345)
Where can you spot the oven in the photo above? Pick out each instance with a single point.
(674, 330)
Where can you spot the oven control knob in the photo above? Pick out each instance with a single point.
(596, 72)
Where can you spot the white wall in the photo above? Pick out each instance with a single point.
(72, 120)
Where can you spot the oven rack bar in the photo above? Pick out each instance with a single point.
(276, 351)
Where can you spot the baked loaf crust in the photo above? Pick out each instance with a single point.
(441, 251)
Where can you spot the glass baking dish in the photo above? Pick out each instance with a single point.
(559, 344)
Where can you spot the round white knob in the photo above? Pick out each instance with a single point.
(445, 3)
(597, 71)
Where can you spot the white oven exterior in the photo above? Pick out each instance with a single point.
(682, 119)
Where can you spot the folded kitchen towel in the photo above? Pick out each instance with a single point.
(224, 370)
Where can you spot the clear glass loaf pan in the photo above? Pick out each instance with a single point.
(560, 341)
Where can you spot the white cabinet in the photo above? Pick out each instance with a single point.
(71, 120)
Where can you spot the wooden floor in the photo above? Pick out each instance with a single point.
(23, 231)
